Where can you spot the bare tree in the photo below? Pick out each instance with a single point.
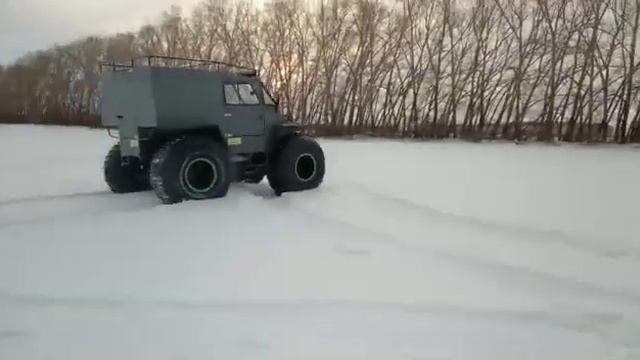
(511, 69)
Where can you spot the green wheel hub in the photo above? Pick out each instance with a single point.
(200, 175)
(305, 167)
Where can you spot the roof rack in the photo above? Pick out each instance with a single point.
(181, 62)
(115, 66)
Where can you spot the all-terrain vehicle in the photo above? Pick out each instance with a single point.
(189, 127)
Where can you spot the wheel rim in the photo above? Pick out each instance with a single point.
(305, 167)
(200, 175)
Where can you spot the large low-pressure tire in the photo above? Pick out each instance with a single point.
(190, 167)
(124, 178)
(298, 165)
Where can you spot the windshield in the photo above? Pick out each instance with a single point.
(268, 100)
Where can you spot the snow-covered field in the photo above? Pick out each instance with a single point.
(409, 250)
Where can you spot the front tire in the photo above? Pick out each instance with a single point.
(297, 166)
(193, 167)
(124, 178)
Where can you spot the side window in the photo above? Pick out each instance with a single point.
(231, 95)
(240, 94)
(247, 94)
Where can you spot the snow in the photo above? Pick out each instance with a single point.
(409, 250)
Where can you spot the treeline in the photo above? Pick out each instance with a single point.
(513, 69)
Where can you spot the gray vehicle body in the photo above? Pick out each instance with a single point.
(148, 104)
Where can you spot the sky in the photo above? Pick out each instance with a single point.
(28, 25)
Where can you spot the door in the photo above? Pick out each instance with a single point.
(243, 113)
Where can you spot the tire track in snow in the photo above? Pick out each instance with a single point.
(496, 269)
(44, 209)
(586, 321)
(41, 198)
(531, 234)
(336, 212)
(318, 204)
(617, 326)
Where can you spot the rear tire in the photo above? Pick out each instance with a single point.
(193, 167)
(123, 178)
(297, 166)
